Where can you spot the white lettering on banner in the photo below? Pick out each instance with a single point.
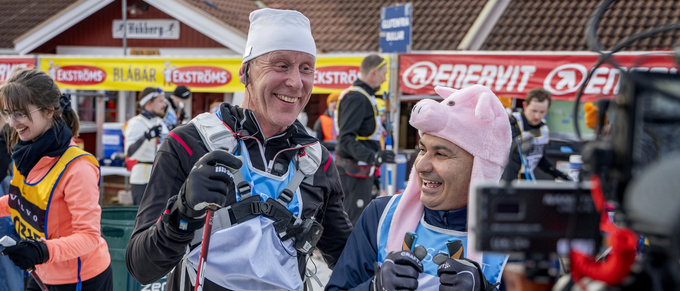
(512, 75)
(567, 82)
(597, 80)
(568, 78)
(206, 76)
(514, 78)
(336, 77)
(82, 75)
(394, 22)
(420, 77)
(7, 69)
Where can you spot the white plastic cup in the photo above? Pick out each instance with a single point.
(575, 162)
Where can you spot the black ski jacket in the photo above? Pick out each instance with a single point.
(157, 246)
(356, 117)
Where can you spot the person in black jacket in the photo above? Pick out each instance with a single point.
(530, 136)
(358, 151)
(277, 192)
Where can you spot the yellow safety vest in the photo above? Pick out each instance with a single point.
(29, 203)
(377, 133)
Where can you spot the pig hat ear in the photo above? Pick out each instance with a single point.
(485, 109)
(445, 92)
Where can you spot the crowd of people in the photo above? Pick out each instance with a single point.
(273, 190)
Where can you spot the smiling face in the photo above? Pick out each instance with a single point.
(32, 124)
(279, 86)
(444, 170)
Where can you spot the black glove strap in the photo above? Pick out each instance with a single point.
(177, 220)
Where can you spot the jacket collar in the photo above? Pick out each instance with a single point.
(449, 219)
(148, 114)
(243, 120)
(364, 86)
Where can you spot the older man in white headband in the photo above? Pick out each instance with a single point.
(143, 134)
(276, 189)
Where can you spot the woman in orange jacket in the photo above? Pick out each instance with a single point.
(54, 194)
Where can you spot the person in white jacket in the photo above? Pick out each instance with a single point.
(143, 135)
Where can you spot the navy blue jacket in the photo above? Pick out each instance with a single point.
(355, 268)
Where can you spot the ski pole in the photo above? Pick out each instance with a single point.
(388, 146)
(7, 241)
(207, 229)
(528, 173)
(37, 279)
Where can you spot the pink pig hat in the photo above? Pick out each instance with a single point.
(472, 118)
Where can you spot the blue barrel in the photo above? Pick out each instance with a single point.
(112, 139)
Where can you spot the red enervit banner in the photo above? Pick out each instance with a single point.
(9, 64)
(514, 74)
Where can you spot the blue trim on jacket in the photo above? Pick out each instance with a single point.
(355, 268)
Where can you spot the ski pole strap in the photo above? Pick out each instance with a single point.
(243, 188)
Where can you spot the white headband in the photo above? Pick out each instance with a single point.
(274, 29)
(148, 97)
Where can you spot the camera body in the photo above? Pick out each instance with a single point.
(527, 218)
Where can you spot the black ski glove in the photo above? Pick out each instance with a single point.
(399, 271)
(384, 157)
(27, 253)
(462, 274)
(210, 184)
(153, 132)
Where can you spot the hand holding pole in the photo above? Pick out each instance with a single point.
(7, 241)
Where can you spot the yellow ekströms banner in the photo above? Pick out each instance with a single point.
(134, 73)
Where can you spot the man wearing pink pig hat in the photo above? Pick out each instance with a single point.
(464, 139)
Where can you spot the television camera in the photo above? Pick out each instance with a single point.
(630, 181)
